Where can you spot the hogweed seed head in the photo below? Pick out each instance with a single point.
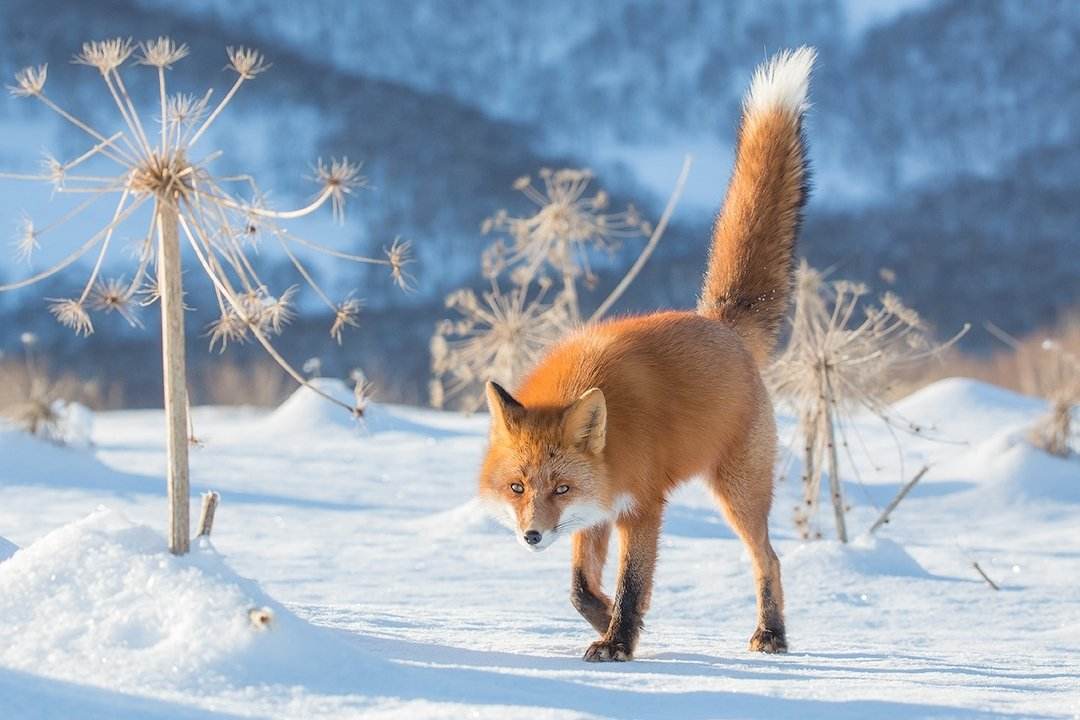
(113, 295)
(30, 81)
(399, 256)
(26, 240)
(105, 55)
(247, 63)
(339, 178)
(72, 314)
(347, 314)
(161, 53)
(229, 328)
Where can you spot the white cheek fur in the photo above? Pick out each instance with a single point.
(581, 515)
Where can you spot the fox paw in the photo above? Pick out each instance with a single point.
(608, 651)
(768, 641)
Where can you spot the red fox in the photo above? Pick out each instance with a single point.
(620, 413)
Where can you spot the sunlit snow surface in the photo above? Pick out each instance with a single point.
(392, 595)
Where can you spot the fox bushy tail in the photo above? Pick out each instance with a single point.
(748, 280)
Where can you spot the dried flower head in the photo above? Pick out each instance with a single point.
(30, 81)
(162, 52)
(347, 314)
(268, 313)
(363, 390)
(184, 110)
(72, 314)
(26, 241)
(566, 223)
(114, 295)
(228, 328)
(105, 55)
(246, 62)
(499, 337)
(398, 256)
(338, 179)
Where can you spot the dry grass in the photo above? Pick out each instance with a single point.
(1026, 368)
(258, 382)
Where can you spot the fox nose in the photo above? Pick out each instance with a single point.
(533, 537)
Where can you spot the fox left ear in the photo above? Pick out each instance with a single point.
(585, 423)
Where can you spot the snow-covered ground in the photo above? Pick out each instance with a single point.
(388, 594)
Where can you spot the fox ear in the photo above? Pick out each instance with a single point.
(585, 423)
(502, 406)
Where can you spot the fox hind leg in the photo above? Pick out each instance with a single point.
(590, 548)
(745, 498)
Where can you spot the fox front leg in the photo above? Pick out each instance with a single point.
(638, 538)
(590, 552)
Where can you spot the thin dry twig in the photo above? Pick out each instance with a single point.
(985, 577)
(884, 518)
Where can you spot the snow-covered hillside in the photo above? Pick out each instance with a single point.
(381, 590)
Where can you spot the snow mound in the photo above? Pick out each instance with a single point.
(307, 412)
(988, 406)
(866, 555)
(102, 601)
(1011, 467)
(7, 549)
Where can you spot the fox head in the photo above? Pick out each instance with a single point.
(544, 474)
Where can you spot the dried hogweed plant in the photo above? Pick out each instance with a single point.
(1054, 432)
(836, 364)
(34, 401)
(159, 172)
(541, 257)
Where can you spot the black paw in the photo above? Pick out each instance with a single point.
(608, 651)
(768, 641)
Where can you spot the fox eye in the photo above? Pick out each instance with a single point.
(517, 488)
(562, 489)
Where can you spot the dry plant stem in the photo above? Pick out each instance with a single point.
(835, 491)
(654, 240)
(174, 374)
(229, 294)
(206, 517)
(985, 577)
(899, 496)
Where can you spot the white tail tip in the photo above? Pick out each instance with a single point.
(782, 82)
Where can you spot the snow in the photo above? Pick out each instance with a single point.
(392, 594)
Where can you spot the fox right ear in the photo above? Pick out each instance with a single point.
(502, 406)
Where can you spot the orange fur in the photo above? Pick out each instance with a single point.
(620, 413)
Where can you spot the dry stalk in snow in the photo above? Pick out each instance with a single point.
(541, 258)
(836, 363)
(887, 512)
(206, 517)
(1054, 373)
(1054, 431)
(35, 402)
(159, 179)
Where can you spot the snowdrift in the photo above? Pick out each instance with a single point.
(1011, 469)
(306, 412)
(102, 601)
(865, 555)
